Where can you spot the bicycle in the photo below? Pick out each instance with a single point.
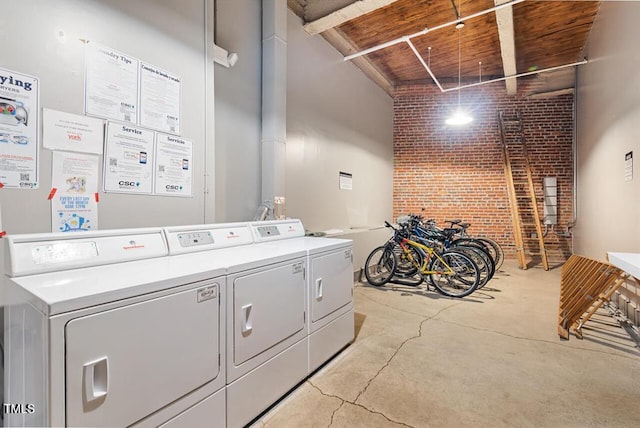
(492, 246)
(443, 238)
(451, 273)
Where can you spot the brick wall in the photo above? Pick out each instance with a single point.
(445, 172)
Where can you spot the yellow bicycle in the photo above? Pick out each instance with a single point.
(451, 273)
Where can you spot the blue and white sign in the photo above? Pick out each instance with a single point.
(19, 126)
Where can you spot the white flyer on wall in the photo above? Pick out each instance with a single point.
(111, 84)
(159, 99)
(128, 159)
(19, 130)
(66, 131)
(74, 182)
(174, 166)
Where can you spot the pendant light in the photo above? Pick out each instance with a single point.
(459, 117)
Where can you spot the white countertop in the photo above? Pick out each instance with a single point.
(628, 262)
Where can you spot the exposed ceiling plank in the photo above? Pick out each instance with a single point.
(347, 13)
(504, 18)
(344, 45)
(549, 94)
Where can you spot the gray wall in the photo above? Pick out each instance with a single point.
(166, 33)
(238, 111)
(337, 120)
(608, 116)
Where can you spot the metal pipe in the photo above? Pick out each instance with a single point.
(475, 15)
(528, 73)
(426, 30)
(424, 64)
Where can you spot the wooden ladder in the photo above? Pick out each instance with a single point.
(522, 197)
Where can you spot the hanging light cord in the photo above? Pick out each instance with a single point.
(459, 52)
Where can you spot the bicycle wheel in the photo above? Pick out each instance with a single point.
(495, 250)
(482, 259)
(380, 266)
(462, 282)
(474, 242)
(405, 266)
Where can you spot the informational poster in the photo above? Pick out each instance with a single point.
(174, 166)
(66, 131)
(128, 159)
(74, 182)
(345, 181)
(628, 166)
(159, 99)
(111, 84)
(19, 126)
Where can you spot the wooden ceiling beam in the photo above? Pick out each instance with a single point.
(347, 13)
(504, 18)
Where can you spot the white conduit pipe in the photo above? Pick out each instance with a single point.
(426, 30)
(424, 64)
(584, 61)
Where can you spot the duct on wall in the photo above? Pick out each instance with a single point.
(274, 98)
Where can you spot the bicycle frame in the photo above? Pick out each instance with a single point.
(427, 253)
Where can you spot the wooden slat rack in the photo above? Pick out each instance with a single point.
(585, 286)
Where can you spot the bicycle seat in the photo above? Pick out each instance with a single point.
(450, 231)
(464, 225)
(456, 221)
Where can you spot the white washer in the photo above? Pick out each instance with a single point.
(103, 329)
(267, 347)
(330, 284)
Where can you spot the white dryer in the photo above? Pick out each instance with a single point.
(267, 347)
(329, 284)
(104, 329)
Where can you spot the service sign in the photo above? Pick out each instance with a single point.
(19, 120)
(174, 166)
(128, 159)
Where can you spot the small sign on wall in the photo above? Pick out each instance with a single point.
(346, 181)
(628, 166)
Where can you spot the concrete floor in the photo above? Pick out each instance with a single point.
(493, 359)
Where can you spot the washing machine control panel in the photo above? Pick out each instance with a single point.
(265, 231)
(275, 230)
(192, 239)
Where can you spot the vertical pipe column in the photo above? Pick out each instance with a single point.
(274, 98)
(209, 109)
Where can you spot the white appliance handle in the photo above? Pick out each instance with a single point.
(96, 379)
(246, 321)
(319, 289)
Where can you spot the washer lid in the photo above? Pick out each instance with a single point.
(57, 292)
(50, 252)
(247, 257)
(312, 245)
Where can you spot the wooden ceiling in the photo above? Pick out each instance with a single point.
(544, 34)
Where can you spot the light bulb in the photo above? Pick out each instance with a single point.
(459, 117)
